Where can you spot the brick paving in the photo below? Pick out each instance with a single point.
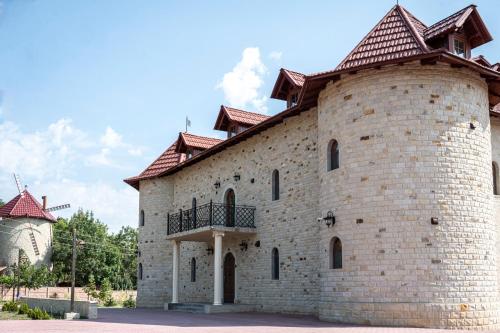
(153, 321)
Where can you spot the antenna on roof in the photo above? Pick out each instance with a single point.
(188, 124)
(18, 183)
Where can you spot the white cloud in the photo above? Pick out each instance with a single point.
(111, 138)
(135, 151)
(114, 206)
(276, 55)
(55, 161)
(241, 85)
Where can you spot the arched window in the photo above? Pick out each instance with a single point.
(193, 270)
(333, 161)
(495, 178)
(335, 253)
(140, 272)
(275, 264)
(141, 218)
(276, 185)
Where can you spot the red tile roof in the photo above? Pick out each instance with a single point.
(456, 21)
(25, 205)
(167, 160)
(449, 23)
(482, 61)
(241, 117)
(297, 78)
(286, 81)
(395, 36)
(196, 141)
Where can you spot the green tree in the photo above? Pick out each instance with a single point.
(126, 241)
(8, 281)
(103, 256)
(1, 203)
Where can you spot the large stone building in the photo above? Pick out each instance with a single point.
(25, 231)
(372, 198)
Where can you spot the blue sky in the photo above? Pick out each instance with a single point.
(92, 91)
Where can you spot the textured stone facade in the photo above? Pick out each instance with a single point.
(20, 240)
(408, 154)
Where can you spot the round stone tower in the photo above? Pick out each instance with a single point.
(412, 198)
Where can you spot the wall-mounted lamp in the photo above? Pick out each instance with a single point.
(243, 246)
(329, 219)
(236, 177)
(217, 184)
(210, 251)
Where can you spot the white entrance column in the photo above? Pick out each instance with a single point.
(218, 267)
(175, 271)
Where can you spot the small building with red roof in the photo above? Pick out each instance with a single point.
(372, 198)
(26, 229)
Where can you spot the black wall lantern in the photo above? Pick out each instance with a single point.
(236, 177)
(210, 251)
(217, 184)
(329, 219)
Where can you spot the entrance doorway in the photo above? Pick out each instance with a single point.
(229, 278)
(230, 203)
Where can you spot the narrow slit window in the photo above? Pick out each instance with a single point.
(140, 272)
(276, 185)
(193, 270)
(141, 218)
(275, 267)
(495, 178)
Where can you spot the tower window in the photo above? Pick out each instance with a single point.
(333, 157)
(140, 272)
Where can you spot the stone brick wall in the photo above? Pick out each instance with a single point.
(408, 154)
(290, 224)
(21, 228)
(155, 198)
(495, 155)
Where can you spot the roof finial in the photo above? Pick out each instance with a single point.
(188, 124)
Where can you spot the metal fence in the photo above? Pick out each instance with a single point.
(211, 214)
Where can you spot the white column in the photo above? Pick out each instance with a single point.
(175, 271)
(218, 267)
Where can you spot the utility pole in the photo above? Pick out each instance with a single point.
(73, 273)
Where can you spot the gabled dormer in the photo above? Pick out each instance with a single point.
(234, 121)
(191, 145)
(288, 86)
(459, 33)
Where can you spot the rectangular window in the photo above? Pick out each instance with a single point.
(459, 47)
(293, 100)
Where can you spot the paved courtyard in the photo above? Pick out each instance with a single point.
(152, 321)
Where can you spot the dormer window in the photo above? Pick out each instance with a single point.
(459, 47)
(231, 131)
(292, 101)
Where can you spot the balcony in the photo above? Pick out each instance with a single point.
(211, 216)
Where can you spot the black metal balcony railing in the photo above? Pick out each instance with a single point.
(211, 214)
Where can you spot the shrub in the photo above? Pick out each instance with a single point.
(110, 301)
(23, 309)
(38, 314)
(10, 306)
(129, 303)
